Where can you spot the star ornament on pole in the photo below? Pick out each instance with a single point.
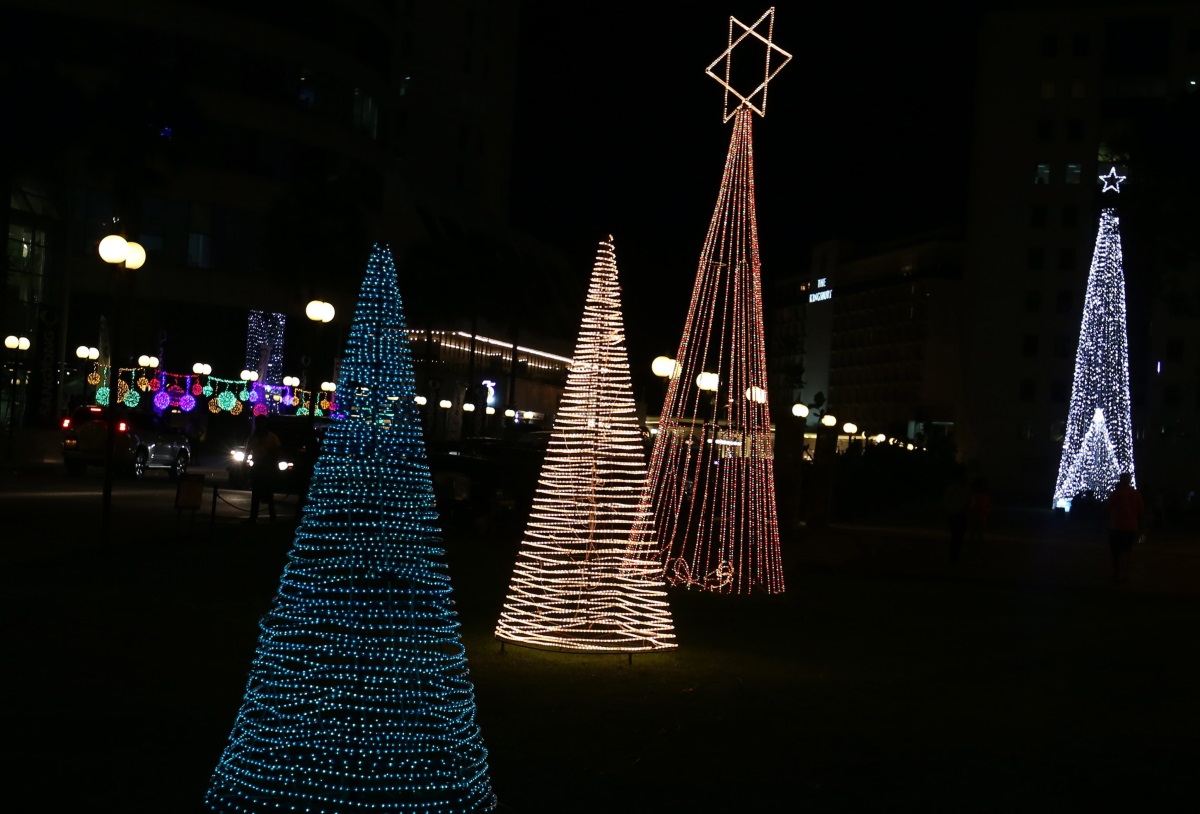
(769, 73)
(1112, 181)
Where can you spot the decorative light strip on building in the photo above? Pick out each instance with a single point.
(583, 580)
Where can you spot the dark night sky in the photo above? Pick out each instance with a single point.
(619, 130)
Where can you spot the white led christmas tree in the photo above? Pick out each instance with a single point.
(711, 482)
(359, 698)
(1100, 393)
(583, 579)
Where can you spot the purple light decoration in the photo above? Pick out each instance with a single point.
(162, 400)
(187, 403)
(253, 397)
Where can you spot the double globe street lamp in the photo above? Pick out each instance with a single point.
(120, 254)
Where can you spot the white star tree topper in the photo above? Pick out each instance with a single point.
(1112, 181)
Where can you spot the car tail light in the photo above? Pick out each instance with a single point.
(122, 426)
(66, 423)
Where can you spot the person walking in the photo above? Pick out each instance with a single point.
(263, 451)
(1126, 509)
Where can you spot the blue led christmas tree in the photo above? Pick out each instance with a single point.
(587, 576)
(359, 697)
(1098, 440)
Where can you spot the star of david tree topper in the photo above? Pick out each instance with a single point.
(711, 481)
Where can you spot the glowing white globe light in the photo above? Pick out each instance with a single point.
(664, 367)
(143, 361)
(82, 351)
(850, 428)
(135, 255)
(113, 249)
(756, 394)
(444, 404)
(829, 421)
(468, 407)
(800, 410)
(708, 381)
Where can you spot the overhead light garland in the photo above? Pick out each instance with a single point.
(583, 579)
(1100, 405)
(711, 483)
(359, 697)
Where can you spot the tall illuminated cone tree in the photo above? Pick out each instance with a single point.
(359, 698)
(583, 579)
(1100, 391)
(711, 481)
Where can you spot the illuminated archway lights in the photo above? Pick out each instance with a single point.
(582, 580)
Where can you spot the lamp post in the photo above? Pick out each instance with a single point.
(18, 345)
(120, 254)
(321, 313)
(85, 353)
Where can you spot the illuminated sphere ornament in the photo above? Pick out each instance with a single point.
(1099, 417)
(197, 390)
(143, 383)
(226, 400)
(236, 409)
(207, 390)
(162, 399)
(132, 398)
(93, 378)
(359, 698)
(214, 405)
(187, 403)
(587, 575)
(259, 409)
(154, 385)
(102, 396)
(711, 480)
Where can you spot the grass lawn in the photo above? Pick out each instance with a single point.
(856, 690)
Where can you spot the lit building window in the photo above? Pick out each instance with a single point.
(1042, 176)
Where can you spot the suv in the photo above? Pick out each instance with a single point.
(299, 446)
(144, 441)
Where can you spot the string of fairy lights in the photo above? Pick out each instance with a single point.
(711, 476)
(359, 697)
(583, 580)
(188, 391)
(1098, 437)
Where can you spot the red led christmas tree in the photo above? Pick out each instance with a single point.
(711, 482)
(579, 584)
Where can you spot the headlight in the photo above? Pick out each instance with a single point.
(284, 466)
(238, 455)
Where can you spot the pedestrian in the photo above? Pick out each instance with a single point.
(980, 509)
(1126, 510)
(262, 450)
(956, 502)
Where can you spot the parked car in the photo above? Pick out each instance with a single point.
(299, 446)
(144, 441)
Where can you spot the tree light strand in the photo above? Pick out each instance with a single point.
(711, 481)
(581, 581)
(359, 698)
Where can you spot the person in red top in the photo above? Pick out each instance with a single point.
(1125, 511)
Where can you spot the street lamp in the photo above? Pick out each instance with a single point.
(201, 369)
(120, 254)
(147, 361)
(800, 410)
(18, 345)
(319, 311)
(665, 367)
(248, 375)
